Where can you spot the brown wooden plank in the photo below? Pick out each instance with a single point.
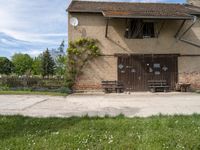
(138, 81)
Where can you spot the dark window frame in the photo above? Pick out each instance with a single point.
(138, 29)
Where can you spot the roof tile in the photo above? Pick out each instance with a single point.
(127, 9)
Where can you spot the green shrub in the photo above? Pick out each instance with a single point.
(80, 52)
(4, 88)
(65, 90)
(31, 83)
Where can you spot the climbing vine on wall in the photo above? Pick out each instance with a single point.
(79, 53)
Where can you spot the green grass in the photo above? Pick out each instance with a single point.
(32, 93)
(153, 133)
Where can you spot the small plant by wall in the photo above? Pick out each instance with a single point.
(79, 53)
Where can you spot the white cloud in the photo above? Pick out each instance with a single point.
(39, 17)
(36, 37)
(32, 53)
(42, 23)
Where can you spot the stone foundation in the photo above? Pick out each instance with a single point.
(85, 87)
(193, 78)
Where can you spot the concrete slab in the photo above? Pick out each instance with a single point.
(19, 102)
(134, 104)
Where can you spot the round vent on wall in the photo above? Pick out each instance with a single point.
(74, 22)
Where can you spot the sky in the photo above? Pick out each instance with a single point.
(28, 26)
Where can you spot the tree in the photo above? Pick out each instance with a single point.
(48, 64)
(37, 65)
(22, 63)
(61, 48)
(61, 63)
(61, 60)
(6, 66)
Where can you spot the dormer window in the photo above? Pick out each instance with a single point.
(138, 29)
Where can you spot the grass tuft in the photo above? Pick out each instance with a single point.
(32, 93)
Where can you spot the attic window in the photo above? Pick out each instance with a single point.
(148, 30)
(138, 29)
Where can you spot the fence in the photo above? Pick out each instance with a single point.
(32, 82)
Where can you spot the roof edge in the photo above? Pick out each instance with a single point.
(107, 1)
(119, 2)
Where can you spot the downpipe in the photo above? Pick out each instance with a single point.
(180, 38)
(194, 21)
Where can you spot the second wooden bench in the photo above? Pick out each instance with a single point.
(155, 85)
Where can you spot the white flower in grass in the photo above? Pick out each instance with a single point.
(110, 139)
(55, 133)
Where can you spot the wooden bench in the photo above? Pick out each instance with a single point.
(158, 85)
(112, 86)
(183, 87)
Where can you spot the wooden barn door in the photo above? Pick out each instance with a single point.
(131, 72)
(162, 67)
(135, 71)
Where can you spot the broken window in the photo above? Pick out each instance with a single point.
(137, 28)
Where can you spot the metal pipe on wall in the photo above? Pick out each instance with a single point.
(194, 21)
(187, 41)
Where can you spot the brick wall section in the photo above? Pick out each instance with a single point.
(194, 2)
(189, 71)
(193, 78)
(189, 66)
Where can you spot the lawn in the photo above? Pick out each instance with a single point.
(32, 93)
(153, 133)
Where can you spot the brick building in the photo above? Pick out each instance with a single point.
(139, 42)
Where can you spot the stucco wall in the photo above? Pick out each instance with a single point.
(194, 2)
(105, 67)
(102, 68)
